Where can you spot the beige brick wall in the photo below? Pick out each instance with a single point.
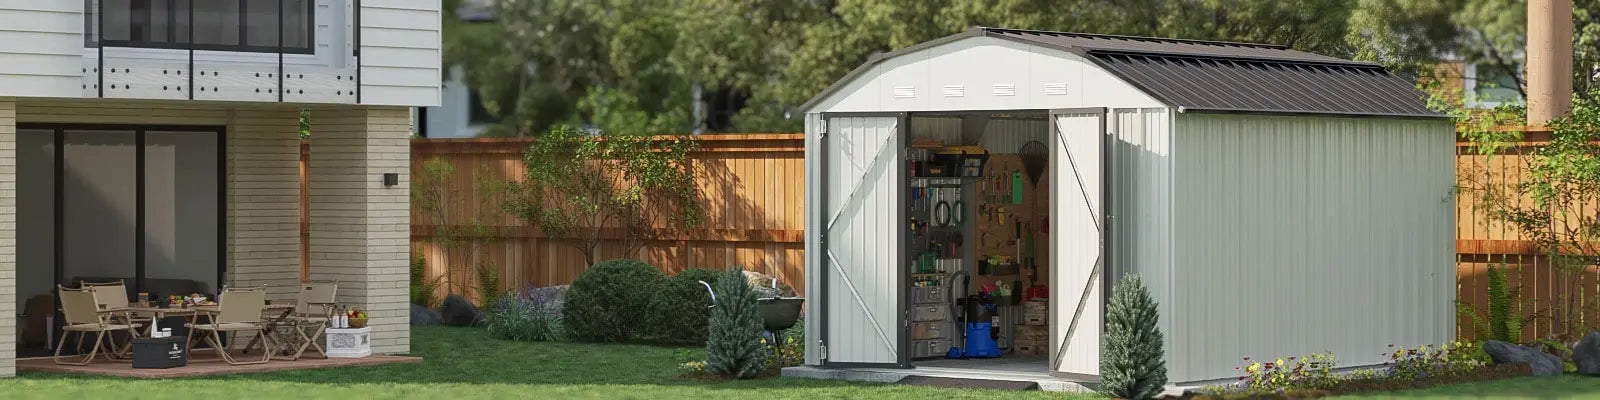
(360, 229)
(8, 237)
(264, 199)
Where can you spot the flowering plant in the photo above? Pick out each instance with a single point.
(1449, 359)
(1313, 371)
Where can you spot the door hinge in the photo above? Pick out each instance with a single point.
(822, 350)
(822, 128)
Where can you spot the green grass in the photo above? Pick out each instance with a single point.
(462, 363)
(1557, 387)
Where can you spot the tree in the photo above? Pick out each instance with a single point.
(461, 219)
(735, 348)
(1131, 364)
(583, 189)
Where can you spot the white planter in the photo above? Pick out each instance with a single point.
(349, 343)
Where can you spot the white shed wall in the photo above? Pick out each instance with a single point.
(1305, 234)
(40, 48)
(983, 73)
(1141, 202)
(400, 52)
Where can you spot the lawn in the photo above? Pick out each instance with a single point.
(464, 363)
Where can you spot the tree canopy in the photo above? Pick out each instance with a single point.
(638, 66)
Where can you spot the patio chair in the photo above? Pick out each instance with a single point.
(238, 310)
(111, 296)
(313, 307)
(82, 315)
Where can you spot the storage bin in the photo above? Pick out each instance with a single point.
(160, 353)
(1036, 312)
(925, 313)
(928, 330)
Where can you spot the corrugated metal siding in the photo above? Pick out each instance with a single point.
(41, 45)
(1005, 136)
(947, 129)
(1296, 235)
(1141, 202)
(860, 257)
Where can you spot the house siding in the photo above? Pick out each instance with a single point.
(360, 229)
(8, 236)
(42, 45)
(400, 52)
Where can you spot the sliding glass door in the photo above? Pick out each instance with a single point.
(137, 204)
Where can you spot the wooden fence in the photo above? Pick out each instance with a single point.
(1483, 240)
(753, 195)
(753, 189)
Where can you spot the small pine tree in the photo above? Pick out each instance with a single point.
(1130, 353)
(734, 348)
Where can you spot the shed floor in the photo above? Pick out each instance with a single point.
(1026, 364)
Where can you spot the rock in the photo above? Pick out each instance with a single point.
(458, 311)
(423, 316)
(1506, 353)
(1587, 354)
(551, 299)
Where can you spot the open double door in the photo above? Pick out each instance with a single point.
(858, 210)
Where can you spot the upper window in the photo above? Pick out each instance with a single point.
(266, 26)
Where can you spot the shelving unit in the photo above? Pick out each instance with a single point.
(939, 246)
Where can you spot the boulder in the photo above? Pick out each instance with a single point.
(1587, 354)
(458, 311)
(423, 316)
(1506, 353)
(551, 299)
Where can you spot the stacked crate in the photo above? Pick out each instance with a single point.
(931, 328)
(1033, 334)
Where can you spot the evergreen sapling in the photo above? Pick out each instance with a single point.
(735, 347)
(1130, 361)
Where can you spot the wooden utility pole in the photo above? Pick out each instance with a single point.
(1549, 73)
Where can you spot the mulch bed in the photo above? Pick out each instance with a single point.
(1488, 373)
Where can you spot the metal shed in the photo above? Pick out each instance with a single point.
(1276, 202)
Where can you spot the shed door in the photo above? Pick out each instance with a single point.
(1077, 238)
(861, 258)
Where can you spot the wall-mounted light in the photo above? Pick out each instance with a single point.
(391, 178)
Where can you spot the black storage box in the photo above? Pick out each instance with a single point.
(167, 352)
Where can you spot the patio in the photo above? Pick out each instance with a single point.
(204, 363)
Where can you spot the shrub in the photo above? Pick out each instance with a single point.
(423, 290)
(609, 301)
(680, 309)
(489, 290)
(735, 348)
(1130, 364)
(790, 351)
(525, 317)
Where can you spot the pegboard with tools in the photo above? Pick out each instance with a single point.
(1011, 220)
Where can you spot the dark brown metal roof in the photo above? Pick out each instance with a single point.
(1200, 75)
(1234, 85)
(1148, 45)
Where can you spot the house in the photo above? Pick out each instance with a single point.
(157, 142)
(1276, 203)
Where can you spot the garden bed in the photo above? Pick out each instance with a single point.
(1353, 386)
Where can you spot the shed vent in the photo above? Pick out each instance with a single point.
(1005, 89)
(1055, 89)
(905, 92)
(955, 91)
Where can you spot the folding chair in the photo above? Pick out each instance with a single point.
(239, 310)
(112, 296)
(82, 315)
(313, 308)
